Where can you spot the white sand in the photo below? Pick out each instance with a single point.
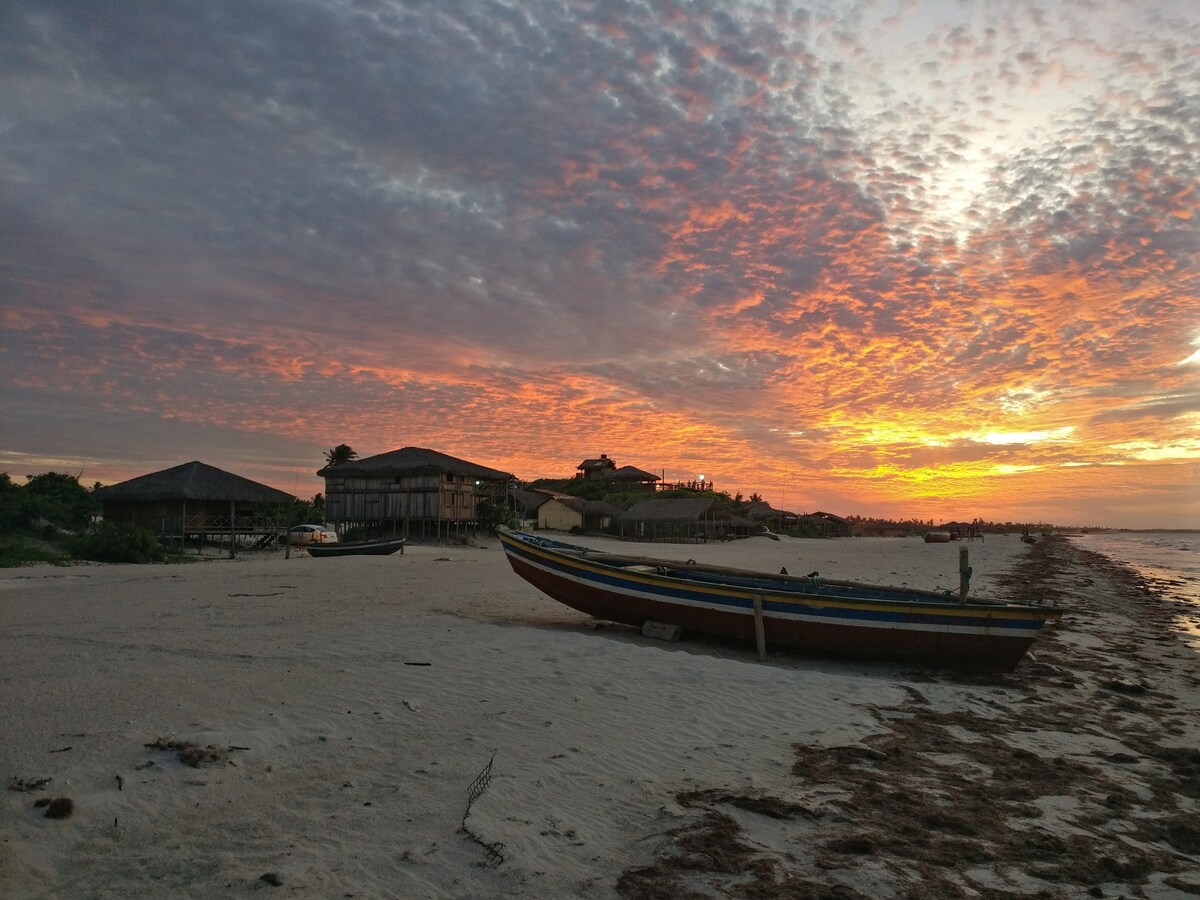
(366, 694)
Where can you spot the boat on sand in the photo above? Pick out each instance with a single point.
(357, 548)
(806, 613)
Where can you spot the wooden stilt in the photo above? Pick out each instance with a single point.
(759, 631)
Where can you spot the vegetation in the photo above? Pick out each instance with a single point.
(107, 542)
(342, 453)
(50, 519)
(36, 518)
(492, 515)
(17, 551)
(304, 512)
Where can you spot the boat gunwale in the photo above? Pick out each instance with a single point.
(923, 602)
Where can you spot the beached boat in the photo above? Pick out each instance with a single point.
(807, 613)
(357, 548)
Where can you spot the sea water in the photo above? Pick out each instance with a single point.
(1169, 560)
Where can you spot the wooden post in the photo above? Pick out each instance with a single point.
(232, 511)
(759, 631)
(964, 573)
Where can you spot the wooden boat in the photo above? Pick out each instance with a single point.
(357, 548)
(807, 613)
(938, 537)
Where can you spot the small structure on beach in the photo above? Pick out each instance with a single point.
(764, 515)
(681, 519)
(564, 512)
(827, 524)
(196, 499)
(409, 491)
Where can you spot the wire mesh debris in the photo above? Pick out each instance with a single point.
(494, 849)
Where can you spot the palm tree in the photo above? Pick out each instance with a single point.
(342, 453)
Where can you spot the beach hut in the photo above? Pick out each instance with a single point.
(828, 524)
(677, 519)
(527, 503)
(410, 491)
(599, 515)
(561, 512)
(196, 499)
(763, 515)
(632, 478)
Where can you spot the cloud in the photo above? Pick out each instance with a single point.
(679, 234)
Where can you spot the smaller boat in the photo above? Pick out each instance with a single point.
(358, 548)
(938, 537)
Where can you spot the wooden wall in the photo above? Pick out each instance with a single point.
(437, 496)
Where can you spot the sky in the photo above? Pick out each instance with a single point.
(932, 260)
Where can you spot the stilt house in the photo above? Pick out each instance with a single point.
(410, 491)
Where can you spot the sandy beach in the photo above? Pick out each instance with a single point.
(429, 725)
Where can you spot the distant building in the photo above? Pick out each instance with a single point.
(766, 516)
(412, 490)
(625, 477)
(682, 519)
(592, 468)
(631, 477)
(564, 512)
(527, 503)
(828, 524)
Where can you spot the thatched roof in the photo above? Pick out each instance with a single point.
(601, 508)
(682, 509)
(826, 517)
(529, 500)
(415, 461)
(631, 473)
(760, 510)
(575, 504)
(192, 481)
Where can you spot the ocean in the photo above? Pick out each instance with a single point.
(1169, 560)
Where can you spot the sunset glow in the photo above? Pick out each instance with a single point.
(907, 259)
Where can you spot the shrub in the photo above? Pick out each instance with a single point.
(59, 499)
(108, 542)
(15, 552)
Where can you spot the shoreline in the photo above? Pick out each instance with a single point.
(355, 702)
(993, 788)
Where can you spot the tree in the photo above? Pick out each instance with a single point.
(342, 453)
(60, 499)
(756, 497)
(12, 507)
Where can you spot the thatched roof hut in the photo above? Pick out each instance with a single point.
(632, 475)
(682, 518)
(669, 509)
(192, 498)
